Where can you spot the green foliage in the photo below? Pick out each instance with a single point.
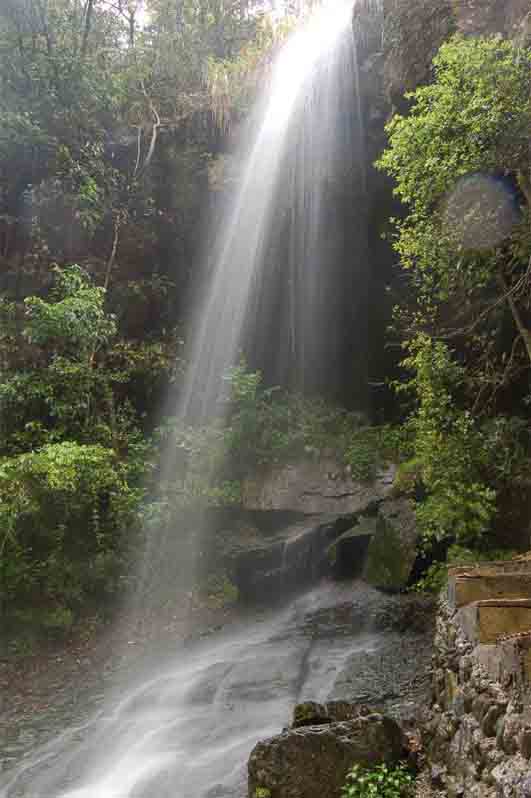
(372, 448)
(382, 781)
(232, 83)
(74, 320)
(433, 580)
(266, 425)
(63, 511)
(435, 577)
(72, 456)
(67, 384)
(474, 118)
(219, 591)
(458, 124)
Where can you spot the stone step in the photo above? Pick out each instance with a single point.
(478, 585)
(491, 620)
(520, 565)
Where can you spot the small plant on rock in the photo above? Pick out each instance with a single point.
(382, 781)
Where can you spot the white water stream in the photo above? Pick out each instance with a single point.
(187, 730)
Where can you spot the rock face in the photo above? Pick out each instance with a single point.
(313, 761)
(413, 31)
(320, 487)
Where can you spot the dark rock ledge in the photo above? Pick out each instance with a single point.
(312, 758)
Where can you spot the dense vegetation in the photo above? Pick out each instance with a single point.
(461, 162)
(115, 117)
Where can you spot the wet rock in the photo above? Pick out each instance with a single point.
(348, 554)
(313, 761)
(490, 719)
(438, 776)
(310, 713)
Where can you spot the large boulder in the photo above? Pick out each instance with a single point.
(313, 761)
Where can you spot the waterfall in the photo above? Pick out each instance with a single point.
(285, 278)
(272, 282)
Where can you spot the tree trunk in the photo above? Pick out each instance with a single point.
(88, 25)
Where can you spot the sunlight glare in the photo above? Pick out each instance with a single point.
(301, 54)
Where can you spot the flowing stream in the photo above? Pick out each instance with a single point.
(186, 728)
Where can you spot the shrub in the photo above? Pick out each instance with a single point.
(267, 425)
(382, 781)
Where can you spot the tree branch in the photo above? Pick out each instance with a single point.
(154, 133)
(522, 329)
(112, 257)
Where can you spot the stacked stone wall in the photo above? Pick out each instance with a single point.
(478, 732)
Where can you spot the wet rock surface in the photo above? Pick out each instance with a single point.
(314, 487)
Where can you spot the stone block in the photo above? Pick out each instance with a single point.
(313, 761)
(487, 621)
(315, 488)
(479, 586)
(501, 618)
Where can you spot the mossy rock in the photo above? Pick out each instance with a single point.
(310, 713)
(393, 549)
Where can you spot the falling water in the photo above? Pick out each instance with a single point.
(285, 280)
(280, 284)
(272, 283)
